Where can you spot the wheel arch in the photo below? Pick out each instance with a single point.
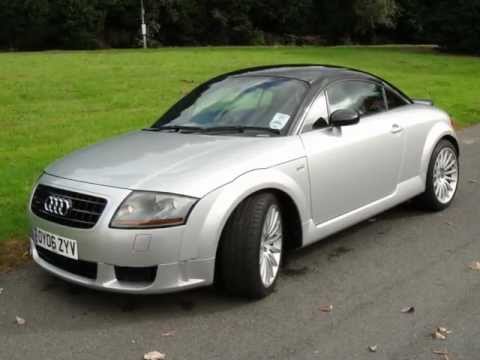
(291, 221)
(454, 142)
(291, 216)
(289, 182)
(437, 133)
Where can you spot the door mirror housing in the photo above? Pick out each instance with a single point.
(344, 118)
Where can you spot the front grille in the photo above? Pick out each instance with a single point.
(78, 267)
(84, 212)
(136, 274)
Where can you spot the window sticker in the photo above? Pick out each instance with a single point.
(279, 121)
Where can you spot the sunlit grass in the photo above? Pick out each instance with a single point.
(54, 102)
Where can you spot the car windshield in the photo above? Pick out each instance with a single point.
(244, 102)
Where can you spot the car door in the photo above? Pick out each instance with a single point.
(352, 166)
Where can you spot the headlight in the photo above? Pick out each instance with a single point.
(150, 210)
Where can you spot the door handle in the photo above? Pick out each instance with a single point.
(396, 129)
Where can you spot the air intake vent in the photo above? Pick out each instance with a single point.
(136, 274)
(78, 267)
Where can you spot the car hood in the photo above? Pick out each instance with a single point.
(188, 164)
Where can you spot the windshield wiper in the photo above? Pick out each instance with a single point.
(176, 128)
(241, 129)
(236, 129)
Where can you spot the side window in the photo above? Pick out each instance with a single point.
(362, 96)
(318, 110)
(394, 100)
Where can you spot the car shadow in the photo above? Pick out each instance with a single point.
(180, 302)
(344, 242)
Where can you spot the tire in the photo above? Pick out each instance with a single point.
(243, 247)
(432, 199)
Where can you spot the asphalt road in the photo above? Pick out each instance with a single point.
(369, 273)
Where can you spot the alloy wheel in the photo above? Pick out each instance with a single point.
(271, 246)
(445, 175)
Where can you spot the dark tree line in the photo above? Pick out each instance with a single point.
(89, 24)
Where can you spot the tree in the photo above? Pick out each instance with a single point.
(24, 23)
(284, 16)
(75, 23)
(86, 24)
(410, 23)
(371, 14)
(180, 22)
(121, 23)
(455, 25)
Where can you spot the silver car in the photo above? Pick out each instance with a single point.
(244, 168)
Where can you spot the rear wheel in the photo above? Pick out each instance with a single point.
(251, 248)
(442, 178)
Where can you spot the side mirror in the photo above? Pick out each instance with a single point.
(344, 118)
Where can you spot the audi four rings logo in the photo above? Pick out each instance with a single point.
(57, 205)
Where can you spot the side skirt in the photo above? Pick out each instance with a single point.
(405, 191)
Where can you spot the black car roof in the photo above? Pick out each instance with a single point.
(313, 74)
(308, 73)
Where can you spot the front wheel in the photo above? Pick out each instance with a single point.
(442, 178)
(251, 248)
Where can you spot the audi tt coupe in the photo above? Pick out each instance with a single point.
(247, 166)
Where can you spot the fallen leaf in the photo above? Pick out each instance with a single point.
(326, 308)
(473, 181)
(169, 333)
(154, 355)
(372, 220)
(408, 310)
(1, 291)
(438, 335)
(441, 333)
(373, 348)
(475, 265)
(20, 321)
(444, 330)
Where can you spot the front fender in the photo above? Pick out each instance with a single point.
(210, 215)
(436, 133)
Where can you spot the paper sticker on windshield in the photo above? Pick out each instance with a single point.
(279, 121)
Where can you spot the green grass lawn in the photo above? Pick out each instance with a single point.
(54, 102)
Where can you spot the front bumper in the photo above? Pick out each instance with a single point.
(168, 278)
(110, 249)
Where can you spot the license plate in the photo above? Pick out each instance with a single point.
(55, 243)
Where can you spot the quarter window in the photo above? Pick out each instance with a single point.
(394, 100)
(317, 112)
(364, 97)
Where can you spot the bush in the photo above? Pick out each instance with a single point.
(24, 24)
(455, 25)
(87, 24)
